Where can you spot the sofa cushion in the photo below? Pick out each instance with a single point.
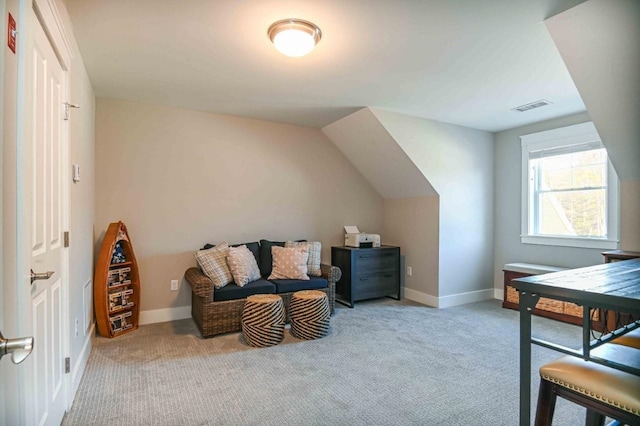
(232, 291)
(315, 249)
(266, 261)
(243, 265)
(253, 248)
(289, 263)
(213, 262)
(288, 286)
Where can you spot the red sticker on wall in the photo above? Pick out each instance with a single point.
(11, 34)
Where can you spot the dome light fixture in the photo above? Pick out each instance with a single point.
(294, 37)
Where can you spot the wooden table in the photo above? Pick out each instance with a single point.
(613, 286)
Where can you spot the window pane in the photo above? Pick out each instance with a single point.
(573, 213)
(585, 169)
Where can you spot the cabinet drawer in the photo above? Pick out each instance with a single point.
(376, 285)
(376, 261)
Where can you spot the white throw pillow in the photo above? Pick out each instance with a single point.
(315, 249)
(213, 263)
(243, 265)
(289, 263)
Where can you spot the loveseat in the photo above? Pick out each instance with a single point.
(219, 310)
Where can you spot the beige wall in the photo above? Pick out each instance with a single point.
(181, 178)
(629, 211)
(413, 224)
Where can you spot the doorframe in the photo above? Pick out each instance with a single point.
(3, 13)
(50, 20)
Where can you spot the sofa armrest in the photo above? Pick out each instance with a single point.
(331, 273)
(200, 284)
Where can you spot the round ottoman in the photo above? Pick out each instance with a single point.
(263, 320)
(309, 313)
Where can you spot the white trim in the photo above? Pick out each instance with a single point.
(464, 298)
(498, 293)
(164, 315)
(450, 300)
(80, 365)
(566, 136)
(569, 242)
(420, 297)
(52, 23)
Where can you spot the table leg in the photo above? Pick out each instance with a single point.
(527, 303)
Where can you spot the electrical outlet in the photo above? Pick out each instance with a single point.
(174, 285)
(76, 326)
(409, 271)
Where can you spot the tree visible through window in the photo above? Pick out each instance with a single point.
(570, 194)
(570, 191)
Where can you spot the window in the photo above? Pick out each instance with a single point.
(569, 189)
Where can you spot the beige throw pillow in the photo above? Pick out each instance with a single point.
(315, 248)
(243, 265)
(289, 263)
(213, 263)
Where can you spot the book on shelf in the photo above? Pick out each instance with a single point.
(120, 322)
(119, 276)
(120, 299)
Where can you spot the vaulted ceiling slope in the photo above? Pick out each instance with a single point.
(600, 42)
(377, 156)
(464, 62)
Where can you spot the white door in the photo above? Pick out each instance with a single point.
(41, 204)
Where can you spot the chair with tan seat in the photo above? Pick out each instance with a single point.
(602, 390)
(631, 339)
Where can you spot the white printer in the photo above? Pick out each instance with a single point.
(354, 238)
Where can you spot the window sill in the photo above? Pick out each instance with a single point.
(590, 243)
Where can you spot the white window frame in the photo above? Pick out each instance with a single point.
(564, 137)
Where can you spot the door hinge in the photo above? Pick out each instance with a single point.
(67, 365)
(67, 105)
(66, 238)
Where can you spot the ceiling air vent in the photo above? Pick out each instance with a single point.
(532, 105)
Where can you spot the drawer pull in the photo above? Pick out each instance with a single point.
(364, 279)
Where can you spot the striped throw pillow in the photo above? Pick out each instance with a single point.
(213, 263)
(315, 248)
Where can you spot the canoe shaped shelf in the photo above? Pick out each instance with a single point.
(116, 285)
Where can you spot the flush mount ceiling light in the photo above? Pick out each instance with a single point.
(294, 37)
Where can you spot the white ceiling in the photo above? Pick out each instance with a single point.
(465, 62)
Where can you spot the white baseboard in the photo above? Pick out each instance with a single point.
(451, 300)
(498, 293)
(164, 315)
(80, 364)
(420, 297)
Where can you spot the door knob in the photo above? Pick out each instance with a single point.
(18, 348)
(40, 276)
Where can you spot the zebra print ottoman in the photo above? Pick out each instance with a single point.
(309, 313)
(263, 319)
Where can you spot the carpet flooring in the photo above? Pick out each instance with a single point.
(384, 362)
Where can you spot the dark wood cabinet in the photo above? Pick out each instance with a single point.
(367, 273)
(619, 255)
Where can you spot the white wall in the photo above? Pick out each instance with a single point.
(81, 202)
(81, 218)
(458, 162)
(598, 41)
(508, 248)
(179, 179)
